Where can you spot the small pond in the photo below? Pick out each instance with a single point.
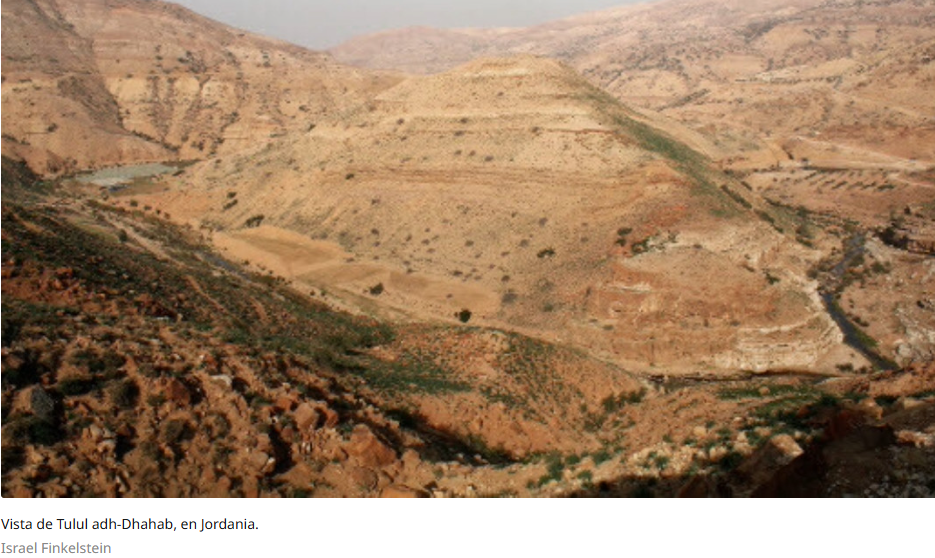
(117, 177)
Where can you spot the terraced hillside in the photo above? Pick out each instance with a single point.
(136, 362)
(91, 83)
(494, 281)
(751, 74)
(514, 190)
(133, 354)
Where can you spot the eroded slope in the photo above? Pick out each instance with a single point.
(515, 191)
(136, 362)
(750, 74)
(91, 83)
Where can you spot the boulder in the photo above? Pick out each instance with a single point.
(331, 417)
(907, 403)
(306, 417)
(775, 454)
(286, 402)
(178, 393)
(368, 449)
(845, 422)
(224, 380)
(364, 479)
(258, 461)
(871, 408)
(411, 459)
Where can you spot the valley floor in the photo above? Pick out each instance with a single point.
(137, 362)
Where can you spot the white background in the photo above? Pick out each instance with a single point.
(482, 528)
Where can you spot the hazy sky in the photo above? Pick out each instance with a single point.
(321, 24)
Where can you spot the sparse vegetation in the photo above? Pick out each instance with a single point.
(737, 197)
(546, 253)
(622, 235)
(640, 247)
(138, 362)
(254, 222)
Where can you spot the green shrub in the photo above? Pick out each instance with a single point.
(29, 372)
(33, 430)
(254, 222)
(546, 253)
(640, 247)
(600, 456)
(70, 387)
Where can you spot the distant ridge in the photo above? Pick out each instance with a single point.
(750, 74)
(89, 83)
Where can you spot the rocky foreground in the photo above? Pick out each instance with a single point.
(138, 363)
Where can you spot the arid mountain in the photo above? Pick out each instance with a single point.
(91, 83)
(499, 280)
(514, 190)
(751, 74)
(139, 363)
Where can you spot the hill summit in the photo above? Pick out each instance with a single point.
(512, 189)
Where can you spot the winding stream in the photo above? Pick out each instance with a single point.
(854, 249)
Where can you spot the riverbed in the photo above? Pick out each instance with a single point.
(854, 250)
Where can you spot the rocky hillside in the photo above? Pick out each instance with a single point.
(513, 190)
(132, 354)
(750, 74)
(91, 83)
(138, 363)
(498, 280)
